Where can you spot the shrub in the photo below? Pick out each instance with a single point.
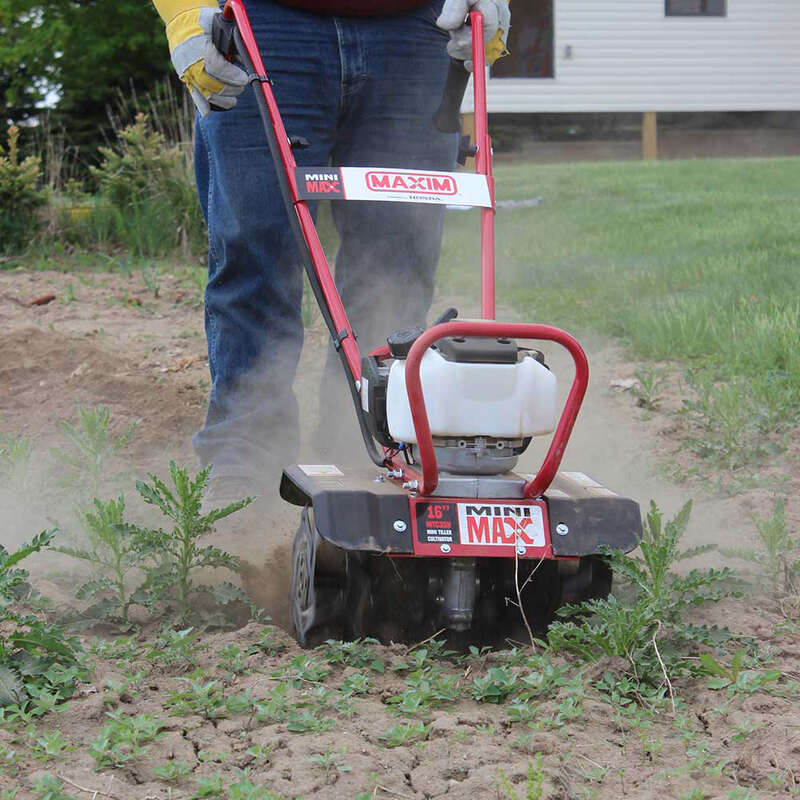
(20, 195)
(147, 193)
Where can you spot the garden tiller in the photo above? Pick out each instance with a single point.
(440, 532)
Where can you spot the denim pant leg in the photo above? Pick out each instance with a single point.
(253, 297)
(394, 70)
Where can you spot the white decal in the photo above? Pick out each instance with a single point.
(320, 470)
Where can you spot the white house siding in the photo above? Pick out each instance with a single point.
(626, 55)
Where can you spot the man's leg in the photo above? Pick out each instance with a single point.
(253, 297)
(394, 71)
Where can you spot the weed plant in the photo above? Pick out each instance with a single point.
(15, 463)
(610, 627)
(124, 739)
(163, 561)
(87, 463)
(171, 557)
(778, 560)
(114, 553)
(38, 661)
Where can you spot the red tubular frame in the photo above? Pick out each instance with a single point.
(544, 477)
(483, 165)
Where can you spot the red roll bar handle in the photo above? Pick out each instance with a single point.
(419, 415)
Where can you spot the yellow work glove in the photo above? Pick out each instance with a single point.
(211, 79)
(496, 22)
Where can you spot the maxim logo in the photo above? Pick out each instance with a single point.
(501, 525)
(408, 182)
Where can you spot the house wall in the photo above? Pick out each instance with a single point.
(626, 55)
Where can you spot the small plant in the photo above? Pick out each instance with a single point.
(49, 745)
(29, 647)
(779, 560)
(150, 279)
(308, 722)
(694, 794)
(495, 686)
(357, 683)
(727, 415)
(47, 787)
(404, 734)
(302, 669)
(199, 697)
(114, 552)
(734, 679)
(260, 753)
(647, 390)
(177, 554)
(173, 771)
(210, 787)
(232, 659)
(268, 642)
(358, 653)
(15, 460)
(534, 777)
(245, 789)
(123, 739)
(426, 688)
(173, 648)
(329, 762)
(275, 708)
(87, 462)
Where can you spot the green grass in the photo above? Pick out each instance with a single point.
(692, 261)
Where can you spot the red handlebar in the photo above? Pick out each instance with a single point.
(544, 477)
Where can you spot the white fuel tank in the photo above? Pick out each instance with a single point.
(464, 399)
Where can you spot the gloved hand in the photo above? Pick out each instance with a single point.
(210, 78)
(496, 22)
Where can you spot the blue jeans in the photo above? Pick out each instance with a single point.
(362, 91)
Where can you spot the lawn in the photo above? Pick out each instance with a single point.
(695, 262)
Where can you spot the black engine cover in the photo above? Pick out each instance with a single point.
(374, 380)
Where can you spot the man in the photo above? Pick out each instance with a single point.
(360, 81)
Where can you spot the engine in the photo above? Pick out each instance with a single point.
(485, 399)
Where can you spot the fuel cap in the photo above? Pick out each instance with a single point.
(400, 341)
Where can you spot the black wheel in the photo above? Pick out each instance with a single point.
(592, 581)
(302, 596)
(316, 587)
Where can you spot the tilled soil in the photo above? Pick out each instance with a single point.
(107, 339)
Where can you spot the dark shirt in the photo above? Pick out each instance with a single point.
(361, 8)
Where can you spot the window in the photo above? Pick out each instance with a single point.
(530, 42)
(695, 8)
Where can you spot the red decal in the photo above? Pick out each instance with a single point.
(477, 531)
(409, 182)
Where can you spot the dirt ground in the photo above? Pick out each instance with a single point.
(107, 339)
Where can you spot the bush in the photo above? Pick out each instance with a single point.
(20, 195)
(148, 201)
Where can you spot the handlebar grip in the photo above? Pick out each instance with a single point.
(447, 118)
(222, 35)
